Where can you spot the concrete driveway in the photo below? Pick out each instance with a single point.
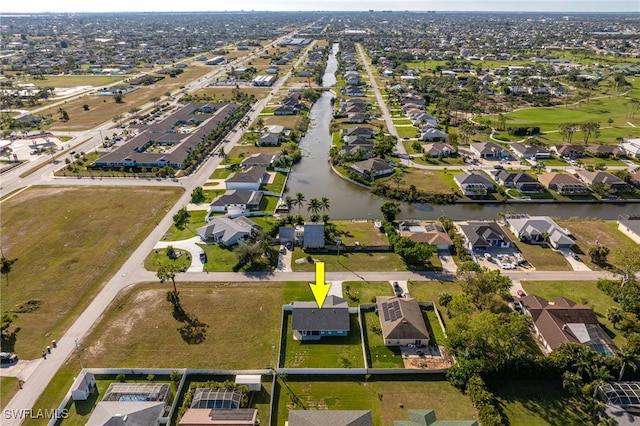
(186, 245)
(22, 369)
(284, 261)
(576, 264)
(448, 265)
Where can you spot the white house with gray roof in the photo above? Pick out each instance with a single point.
(226, 231)
(238, 198)
(251, 179)
(536, 228)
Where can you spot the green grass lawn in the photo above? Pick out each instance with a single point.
(277, 184)
(210, 195)
(159, 257)
(328, 352)
(379, 355)
(407, 131)
(349, 261)
(57, 389)
(140, 329)
(69, 241)
(425, 180)
(388, 400)
(543, 257)
(537, 402)
(435, 161)
(220, 173)
(587, 232)
(196, 220)
(269, 203)
(8, 388)
(584, 292)
(365, 233)
(362, 292)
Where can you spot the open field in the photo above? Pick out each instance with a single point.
(69, 241)
(349, 261)
(140, 329)
(328, 352)
(244, 151)
(537, 403)
(587, 232)
(104, 108)
(225, 92)
(66, 81)
(388, 400)
(425, 180)
(584, 292)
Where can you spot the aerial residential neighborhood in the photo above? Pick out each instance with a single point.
(375, 217)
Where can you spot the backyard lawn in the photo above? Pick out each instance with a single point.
(388, 400)
(537, 402)
(220, 321)
(328, 352)
(69, 241)
(379, 355)
(584, 292)
(196, 220)
(425, 180)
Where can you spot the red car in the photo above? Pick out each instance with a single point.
(521, 293)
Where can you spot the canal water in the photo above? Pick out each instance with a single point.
(315, 179)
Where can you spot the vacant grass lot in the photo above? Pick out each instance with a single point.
(584, 292)
(542, 257)
(64, 81)
(537, 403)
(365, 233)
(425, 180)
(233, 326)
(349, 261)
(388, 400)
(69, 242)
(104, 108)
(587, 232)
(328, 352)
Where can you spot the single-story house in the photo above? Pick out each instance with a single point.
(537, 229)
(356, 117)
(564, 183)
(433, 134)
(330, 417)
(630, 226)
(313, 235)
(401, 321)
(228, 231)
(568, 150)
(372, 168)
(631, 147)
(564, 321)
(251, 179)
(432, 233)
(529, 152)
(311, 323)
(269, 139)
(132, 404)
(489, 150)
(483, 235)
(610, 181)
(365, 132)
(239, 198)
(258, 160)
(604, 151)
(437, 149)
(474, 184)
(519, 180)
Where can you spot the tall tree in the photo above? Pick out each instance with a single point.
(627, 260)
(389, 210)
(181, 218)
(299, 201)
(289, 202)
(589, 128)
(168, 272)
(326, 205)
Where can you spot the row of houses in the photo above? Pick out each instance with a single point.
(492, 150)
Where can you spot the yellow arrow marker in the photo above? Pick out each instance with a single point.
(320, 289)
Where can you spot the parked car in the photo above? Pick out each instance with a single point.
(283, 250)
(521, 293)
(203, 257)
(8, 358)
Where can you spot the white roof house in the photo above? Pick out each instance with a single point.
(536, 228)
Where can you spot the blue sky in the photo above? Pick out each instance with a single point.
(220, 5)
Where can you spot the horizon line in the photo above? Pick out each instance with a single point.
(322, 10)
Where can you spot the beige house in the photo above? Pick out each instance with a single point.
(401, 321)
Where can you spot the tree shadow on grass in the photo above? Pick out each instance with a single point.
(193, 331)
(8, 342)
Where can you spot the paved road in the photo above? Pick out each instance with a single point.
(383, 105)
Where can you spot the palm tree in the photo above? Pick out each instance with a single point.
(314, 206)
(299, 201)
(615, 315)
(628, 358)
(325, 205)
(5, 265)
(289, 202)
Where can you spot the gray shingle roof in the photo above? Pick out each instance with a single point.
(334, 315)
